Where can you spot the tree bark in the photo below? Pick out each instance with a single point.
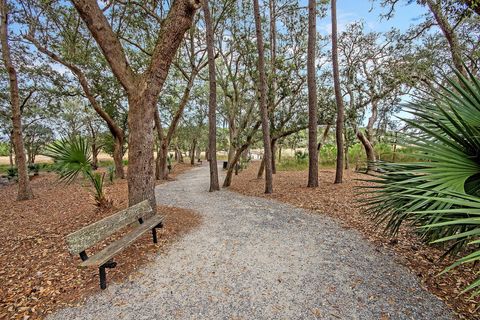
(368, 150)
(338, 97)
(118, 157)
(141, 179)
(324, 137)
(228, 177)
(371, 122)
(262, 100)
(192, 152)
(347, 158)
(261, 169)
(273, 146)
(312, 96)
(24, 189)
(447, 30)
(10, 153)
(212, 101)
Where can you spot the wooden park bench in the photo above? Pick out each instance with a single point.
(140, 215)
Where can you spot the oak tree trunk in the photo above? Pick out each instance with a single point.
(347, 158)
(228, 177)
(24, 189)
(118, 157)
(449, 33)
(312, 96)
(371, 122)
(261, 169)
(192, 152)
(262, 100)
(273, 146)
(141, 179)
(368, 150)
(212, 101)
(338, 97)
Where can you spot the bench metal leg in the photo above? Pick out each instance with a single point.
(103, 273)
(103, 277)
(154, 232)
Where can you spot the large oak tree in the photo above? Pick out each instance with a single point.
(142, 88)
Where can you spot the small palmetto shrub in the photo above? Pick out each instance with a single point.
(71, 158)
(111, 173)
(440, 192)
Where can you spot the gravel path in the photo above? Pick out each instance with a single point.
(258, 259)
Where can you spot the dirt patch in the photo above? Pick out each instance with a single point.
(37, 274)
(339, 201)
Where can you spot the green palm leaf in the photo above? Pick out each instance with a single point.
(440, 193)
(71, 157)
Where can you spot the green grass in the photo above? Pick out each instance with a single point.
(292, 164)
(43, 167)
(4, 168)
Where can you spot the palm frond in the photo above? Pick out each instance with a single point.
(71, 157)
(440, 193)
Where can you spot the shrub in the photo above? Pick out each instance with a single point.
(71, 158)
(12, 173)
(111, 173)
(440, 193)
(34, 168)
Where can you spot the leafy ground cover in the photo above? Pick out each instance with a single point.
(37, 273)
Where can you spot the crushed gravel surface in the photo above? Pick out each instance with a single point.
(256, 258)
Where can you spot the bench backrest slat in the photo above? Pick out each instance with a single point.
(90, 235)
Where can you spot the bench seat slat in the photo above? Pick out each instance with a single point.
(88, 236)
(112, 249)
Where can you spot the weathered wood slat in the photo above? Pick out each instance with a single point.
(106, 254)
(88, 236)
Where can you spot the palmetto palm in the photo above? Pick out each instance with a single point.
(439, 193)
(72, 157)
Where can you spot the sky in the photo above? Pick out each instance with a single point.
(354, 10)
(349, 11)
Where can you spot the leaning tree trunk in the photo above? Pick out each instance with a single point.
(368, 150)
(261, 169)
(371, 121)
(24, 188)
(228, 177)
(312, 97)
(212, 101)
(338, 97)
(192, 152)
(161, 163)
(273, 146)
(94, 156)
(262, 101)
(118, 157)
(449, 33)
(347, 158)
